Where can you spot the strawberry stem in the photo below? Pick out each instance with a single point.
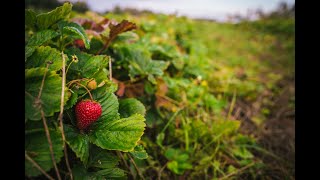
(86, 89)
(77, 80)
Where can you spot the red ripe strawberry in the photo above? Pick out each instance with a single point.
(79, 43)
(87, 112)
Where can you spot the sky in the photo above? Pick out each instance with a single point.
(208, 9)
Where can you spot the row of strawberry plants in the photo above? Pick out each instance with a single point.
(129, 80)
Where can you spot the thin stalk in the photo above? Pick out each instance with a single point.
(86, 89)
(186, 134)
(63, 84)
(134, 164)
(124, 161)
(170, 120)
(50, 144)
(76, 80)
(69, 66)
(45, 124)
(236, 172)
(233, 101)
(110, 69)
(160, 172)
(37, 166)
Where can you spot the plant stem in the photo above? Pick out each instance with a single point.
(76, 80)
(236, 172)
(69, 66)
(124, 161)
(105, 46)
(110, 69)
(86, 89)
(45, 123)
(186, 134)
(61, 113)
(134, 164)
(42, 82)
(170, 120)
(50, 144)
(159, 173)
(37, 166)
(233, 101)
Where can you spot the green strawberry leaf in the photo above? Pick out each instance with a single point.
(242, 152)
(139, 152)
(41, 37)
(156, 67)
(75, 31)
(122, 134)
(79, 143)
(130, 106)
(72, 101)
(37, 147)
(79, 172)
(88, 64)
(38, 39)
(225, 127)
(113, 173)
(51, 93)
(42, 55)
(101, 75)
(100, 158)
(103, 162)
(30, 18)
(28, 51)
(45, 20)
(109, 103)
(140, 62)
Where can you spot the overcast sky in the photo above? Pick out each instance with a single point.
(217, 9)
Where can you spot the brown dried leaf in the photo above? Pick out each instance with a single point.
(161, 99)
(89, 24)
(134, 90)
(117, 29)
(162, 87)
(121, 89)
(123, 26)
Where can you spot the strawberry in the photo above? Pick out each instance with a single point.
(79, 43)
(92, 85)
(87, 112)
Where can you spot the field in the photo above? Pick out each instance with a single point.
(180, 98)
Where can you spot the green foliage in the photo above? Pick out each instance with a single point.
(45, 20)
(88, 64)
(50, 97)
(140, 62)
(109, 104)
(74, 31)
(130, 106)
(37, 148)
(122, 134)
(139, 152)
(39, 39)
(178, 160)
(49, 43)
(79, 143)
(170, 99)
(42, 55)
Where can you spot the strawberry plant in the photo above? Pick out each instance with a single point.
(148, 96)
(74, 126)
